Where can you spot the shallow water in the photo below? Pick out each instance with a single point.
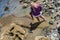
(14, 8)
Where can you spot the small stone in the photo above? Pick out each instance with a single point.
(51, 22)
(6, 9)
(25, 5)
(51, 17)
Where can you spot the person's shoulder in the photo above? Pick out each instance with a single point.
(38, 3)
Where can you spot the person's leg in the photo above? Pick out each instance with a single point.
(31, 15)
(43, 17)
(37, 19)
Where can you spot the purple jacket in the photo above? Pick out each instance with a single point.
(36, 11)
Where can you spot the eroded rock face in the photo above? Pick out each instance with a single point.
(6, 20)
(11, 31)
(13, 26)
(25, 20)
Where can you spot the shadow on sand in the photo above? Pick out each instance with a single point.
(35, 25)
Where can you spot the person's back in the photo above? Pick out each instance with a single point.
(36, 9)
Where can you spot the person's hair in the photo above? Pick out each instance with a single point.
(34, 0)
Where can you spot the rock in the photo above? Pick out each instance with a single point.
(51, 22)
(13, 25)
(54, 34)
(6, 9)
(57, 4)
(57, 17)
(58, 27)
(58, 23)
(42, 38)
(59, 30)
(17, 38)
(25, 5)
(18, 28)
(7, 38)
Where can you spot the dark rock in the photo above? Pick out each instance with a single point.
(51, 8)
(25, 6)
(57, 4)
(51, 22)
(6, 9)
(51, 17)
(59, 30)
(20, 1)
(57, 23)
(11, 34)
(57, 17)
